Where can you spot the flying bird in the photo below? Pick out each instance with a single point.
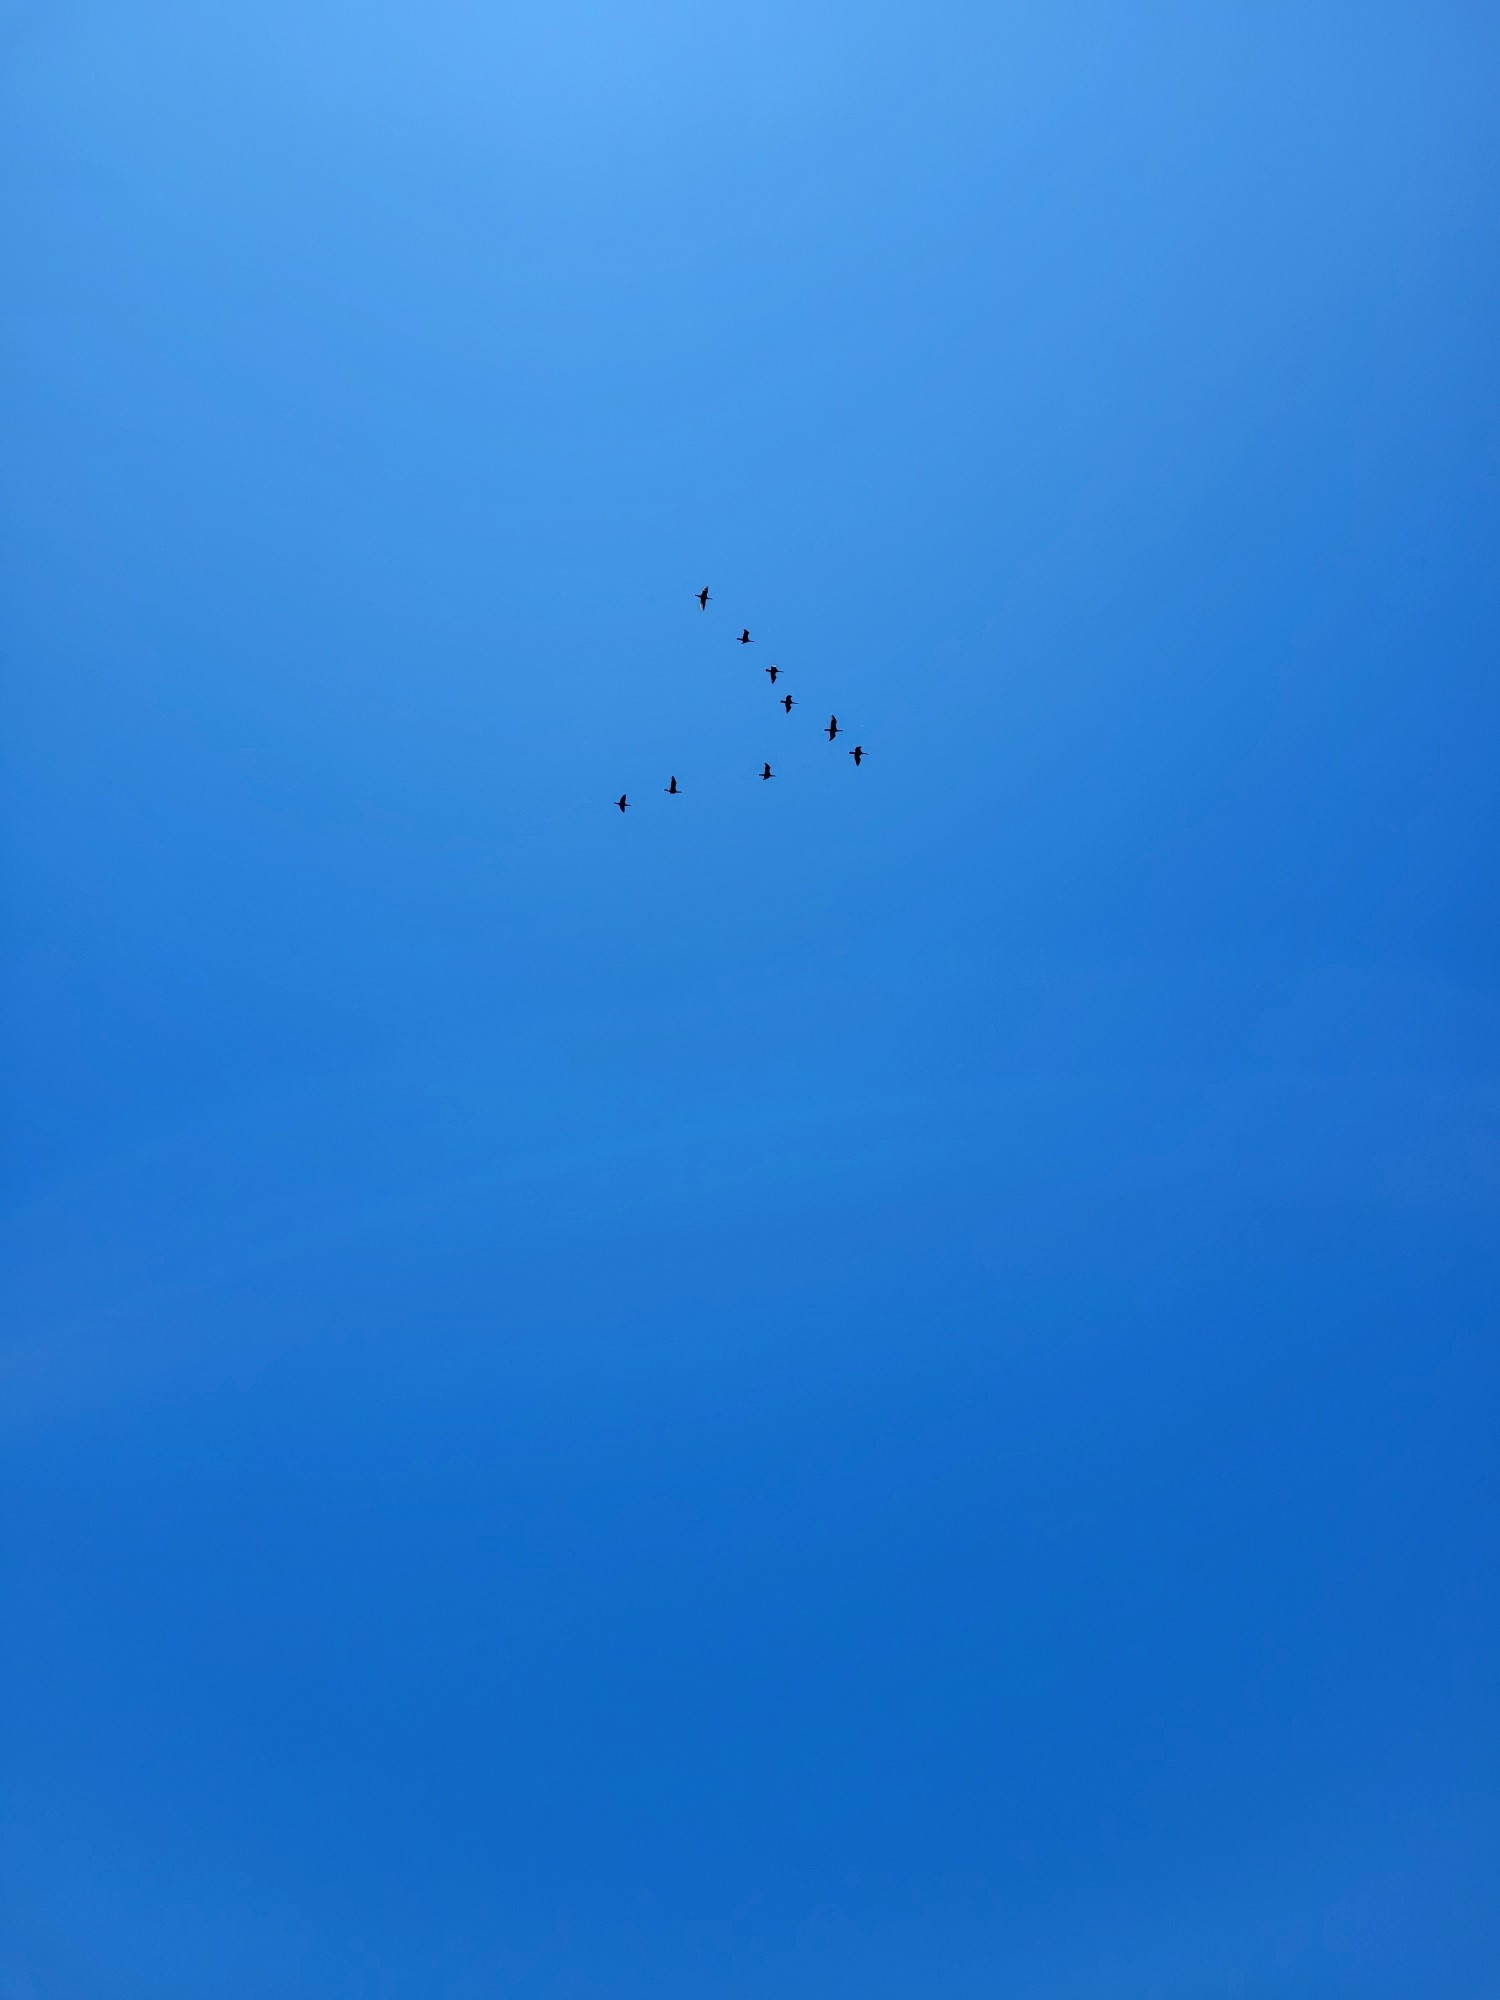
(787, 703)
(773, 671)
(744, 638)
(833, 728)
(671, 790)
(858, 754)
(766, 771)
(703, 598)
(621, 802)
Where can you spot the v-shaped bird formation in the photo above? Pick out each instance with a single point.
(786, 702)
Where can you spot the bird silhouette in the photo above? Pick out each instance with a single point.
(858, 754)
(787, 703)
(621, 802)
(671, 789)
(744, 638)
(766, 771)
(833, 728)
(703, 598)
(773, 671)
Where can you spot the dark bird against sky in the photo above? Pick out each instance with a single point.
(766, 771)
(622, 802)
(745, 639)
(703, 599)
(773, 670)
(833, 728)
(858, 754)
(671, 790)
(787, 703)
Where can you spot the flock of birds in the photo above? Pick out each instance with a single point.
(773, 673)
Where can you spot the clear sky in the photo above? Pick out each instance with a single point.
(878, 1385)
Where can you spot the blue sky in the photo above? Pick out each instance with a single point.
(882, 1384)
